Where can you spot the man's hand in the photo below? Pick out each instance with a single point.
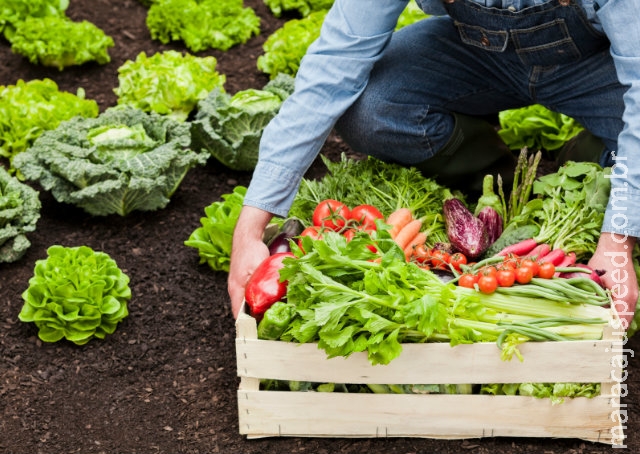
(247, 252)
(614, 256)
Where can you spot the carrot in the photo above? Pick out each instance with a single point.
(399, 219)
(420, 238)
(407, 233)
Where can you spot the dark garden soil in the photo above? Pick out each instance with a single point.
(165, 382)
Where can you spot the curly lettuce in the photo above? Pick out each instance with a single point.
(168, 83)
(77, 294)
(284, 49)
(202, 24)
(27, 109)
(302, 7)
(123, 160)
(230, 127)
(12, 12)
(536, 127)
(59, 42)
(19, 213)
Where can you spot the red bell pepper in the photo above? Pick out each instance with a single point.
(264, 287)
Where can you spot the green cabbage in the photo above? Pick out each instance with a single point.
(77, 294)
(59, 42)
(121, 161)
(19, 213)
(27, 109)
(230, 127)
(168, 83)
(202, 24)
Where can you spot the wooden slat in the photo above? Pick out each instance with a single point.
(430, 416)
(584, 361)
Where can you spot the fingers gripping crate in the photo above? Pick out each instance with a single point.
(445, 416)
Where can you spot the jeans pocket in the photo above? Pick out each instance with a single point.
(491, 40)
(546, 44)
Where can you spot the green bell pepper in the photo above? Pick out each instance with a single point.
(275, 321)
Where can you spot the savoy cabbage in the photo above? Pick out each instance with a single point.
(121, 161)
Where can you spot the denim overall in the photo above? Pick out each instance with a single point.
(478, 61)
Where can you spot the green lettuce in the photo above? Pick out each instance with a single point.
(284, 49)
(412, 13)
(121, 161)
(19, 213)
(59, 42)
(168, 83)
(76, 293)
(202, 24)
(27, 109)
(303, 7)
(230, 127)
(213, 239)
(12, 12)
(536, 127)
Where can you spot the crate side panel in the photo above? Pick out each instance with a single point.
(575, 361)
(429, 416)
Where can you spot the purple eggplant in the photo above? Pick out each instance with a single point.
(492, 222)
(280, 242)
(466, 232)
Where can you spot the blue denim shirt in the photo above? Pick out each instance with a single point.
(335, 70)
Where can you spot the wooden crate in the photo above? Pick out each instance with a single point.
(444, 416)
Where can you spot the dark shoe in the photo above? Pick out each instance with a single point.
(583, 147)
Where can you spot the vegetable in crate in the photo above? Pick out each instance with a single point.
(34, 107)
(213, 239)
(19, 213)
(265, 287)
(202, 24)
(230, 127)
(60, 43)
(122, 161)
(466, 232)
(76, 293)
(168, 83)
(275, 320)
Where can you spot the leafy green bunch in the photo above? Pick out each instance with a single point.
(27, 109)
(60, 42)
(213, 239)
(76, 293)
(302, 7)
(168, 83)
(13, 12)
(19, 213)
(121, 161)
(230, 127)
(536, 127)
(202, 24)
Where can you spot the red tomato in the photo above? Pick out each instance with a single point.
(505, 277)
(487, 283)
(440, 259)
(535, 267)
(312, 231)
(349, 234)
(366, 216)
(457, 259)
(467, 280)
(422, 254)
(331, 214)
(546, 270)
(488, 270)
(524, 274)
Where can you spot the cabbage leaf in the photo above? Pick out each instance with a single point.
(121, 161)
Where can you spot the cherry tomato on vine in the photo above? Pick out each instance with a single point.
(331, 214)
(535, 267)
(440, 259)
(422, 254)
(467, 280)
(312, 231)
(547, 270)
(524, 274)
(487, 283)
(505, 277)
(488, 271)
(366, 216)
(457, 259)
